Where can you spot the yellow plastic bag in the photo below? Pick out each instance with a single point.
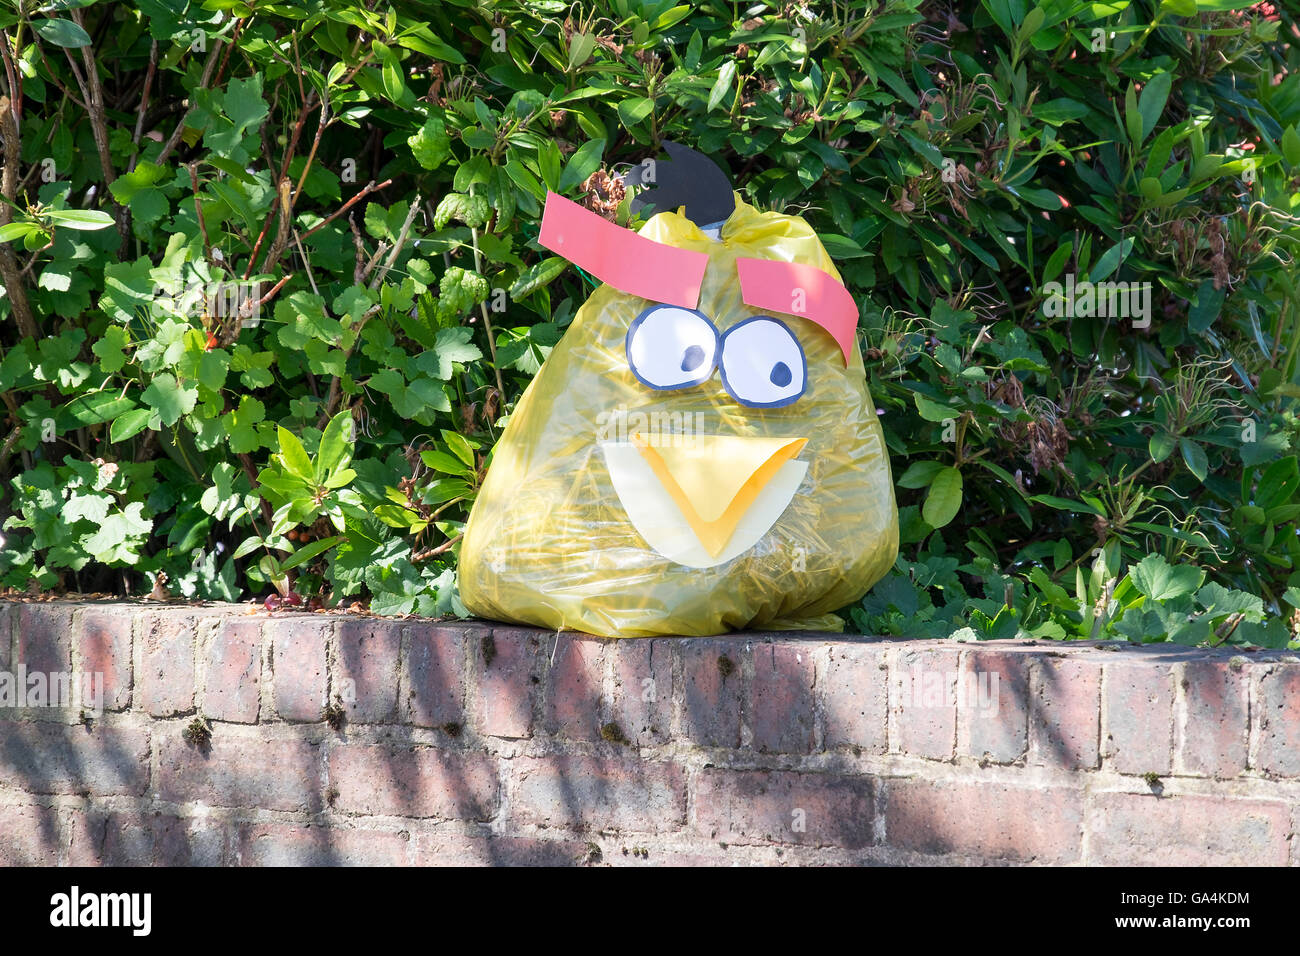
(621, 505)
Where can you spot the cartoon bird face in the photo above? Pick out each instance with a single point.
(682, 467)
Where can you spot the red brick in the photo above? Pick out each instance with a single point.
(1065, 720)
(152, 838)
(574, 684)
(83, 837)
(289, 844)
(986, 821)
(925, 707)
(1140, 716)
(8, 613)
(857, 697)
(369, 657)
(783, 697)
(1278, 698)
(167, 668)
(45, 637)
(29, 836)
(506, 687)
(276, 774)
(1212, 729)
(643, 690)
(101, 759)
(993, 699)
(104, 647)
(414, 782)
(594, 793)
(808, 809)
(435, 681)
(454, 849)
(298, 645)
(232, 689)
(711, 704)
(1127, 829)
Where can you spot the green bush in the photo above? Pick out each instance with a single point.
(272, 284)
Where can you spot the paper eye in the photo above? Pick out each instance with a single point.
(670, 347)
(763, 364)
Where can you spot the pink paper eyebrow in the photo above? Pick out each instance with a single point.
(628, 262)
(802, 291)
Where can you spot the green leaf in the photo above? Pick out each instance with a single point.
(584, 161)
(919, 474)
(441, 461)
(722, 85)
(580, 47)
(244, 109)
(460, 446)
(111, 348)
(1218, 601)
(18, 230)
(1152, 102)
(119, 536)
(293, 457)
(309, 551)
(129, 424)
(335, 446)
(473, 211)
(944, 499)
(83, 219)
(1194, 456)
(932, 411)
(1066, 504)
(431, 144)
(1160, 581)
(169, 398)
(1060, 111)
(537, 276)
(634, 110)
(62, 33)
(1161, 445)
(1206, 306)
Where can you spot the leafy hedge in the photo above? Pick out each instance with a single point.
(272, 285)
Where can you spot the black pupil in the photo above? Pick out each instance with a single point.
(694, 358)
(781, 375)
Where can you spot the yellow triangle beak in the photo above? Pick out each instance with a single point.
(715, 481)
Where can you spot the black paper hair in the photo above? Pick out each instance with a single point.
(687, 179)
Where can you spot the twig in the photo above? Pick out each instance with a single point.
(180, 127)
(487, 322)
(369, 188)
(246, 310)
(425, 555)
(9, 271)
(15, 94)
(10, 441)
(198, 211)
(144, 98)
(401, 241)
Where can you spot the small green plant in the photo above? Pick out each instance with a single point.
(198, 733)
(335, 714)
(272, 287)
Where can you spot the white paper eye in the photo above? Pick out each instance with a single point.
(763, 364)
(670, 347)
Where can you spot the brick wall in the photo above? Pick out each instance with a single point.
(469, 743)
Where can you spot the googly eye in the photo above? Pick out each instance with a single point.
(763, 364)
(670, 347)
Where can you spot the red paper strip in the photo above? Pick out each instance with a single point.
(803, 291)
(620, 257)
